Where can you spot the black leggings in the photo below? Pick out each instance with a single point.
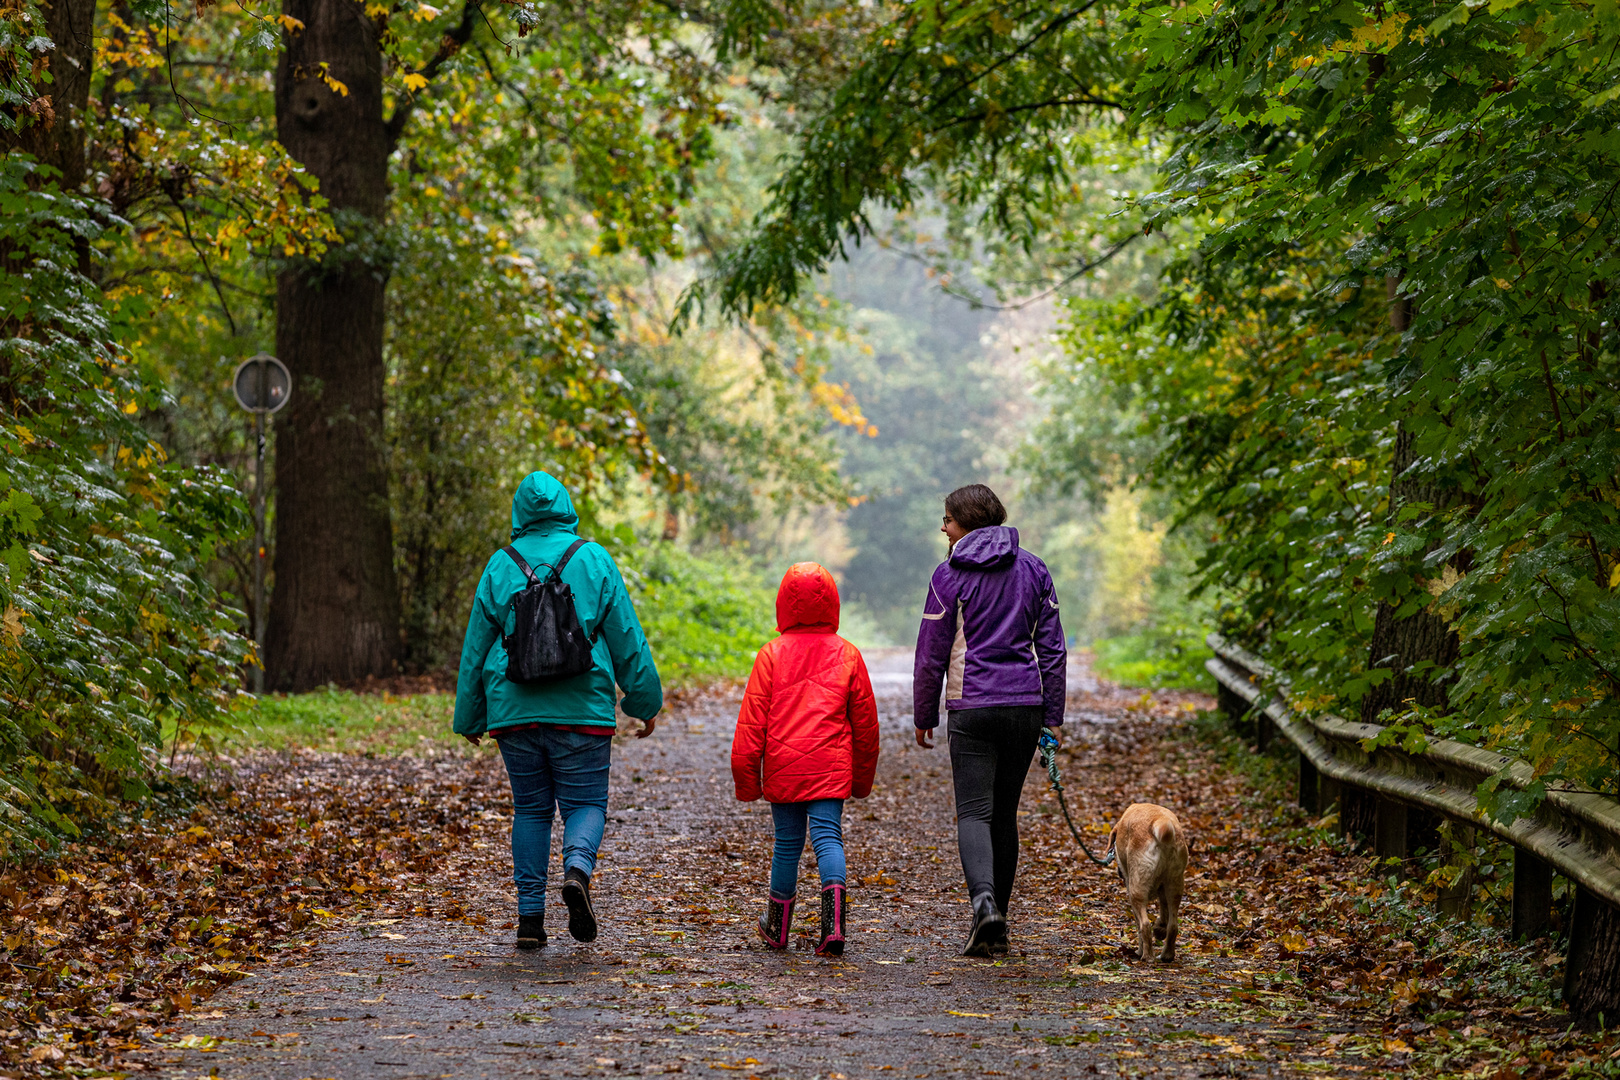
(990, 754)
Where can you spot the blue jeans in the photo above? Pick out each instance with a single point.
(553, 770)
(825, 819)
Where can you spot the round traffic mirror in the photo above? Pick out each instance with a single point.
(262, 384)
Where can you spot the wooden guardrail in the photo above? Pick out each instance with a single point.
(1396, 798)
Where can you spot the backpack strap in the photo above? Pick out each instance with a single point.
(556, 575)
(522, 565)
(556, 571)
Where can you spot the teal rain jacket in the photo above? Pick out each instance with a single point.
(543, 525)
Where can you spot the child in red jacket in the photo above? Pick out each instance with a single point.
(807, 739)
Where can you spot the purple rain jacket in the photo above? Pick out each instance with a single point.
(990, 629)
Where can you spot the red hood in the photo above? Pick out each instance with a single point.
(808, 599)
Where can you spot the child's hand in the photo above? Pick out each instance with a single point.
(472, 738)
(647, 726)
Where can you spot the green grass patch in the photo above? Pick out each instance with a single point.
(335, 719)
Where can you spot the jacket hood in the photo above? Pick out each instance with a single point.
(542, 505)
(991, 548)
(808, 598)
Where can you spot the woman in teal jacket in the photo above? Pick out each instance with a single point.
(555, 738)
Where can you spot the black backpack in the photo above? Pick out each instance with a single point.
(547, 642)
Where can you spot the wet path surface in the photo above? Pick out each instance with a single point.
(678, 982)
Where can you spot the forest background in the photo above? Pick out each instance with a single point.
(553, 181)
(1293, 321)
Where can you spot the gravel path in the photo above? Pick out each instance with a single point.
(678, 982)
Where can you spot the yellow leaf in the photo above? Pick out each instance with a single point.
(413, 81)
(290, 24)
(425, 12)
(12, 623)
(131, 408)
(1293, 941)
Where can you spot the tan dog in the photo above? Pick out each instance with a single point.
(1152, 850)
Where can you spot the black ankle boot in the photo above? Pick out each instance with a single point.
(989, 933)
(531, 931)
(576, 893)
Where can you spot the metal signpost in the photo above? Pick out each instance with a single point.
(262, 385)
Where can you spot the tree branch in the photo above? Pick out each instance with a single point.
(449, 45)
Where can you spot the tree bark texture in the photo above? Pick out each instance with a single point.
(1592, 968)
(334, 613)
(53, 131)
(1400, 642)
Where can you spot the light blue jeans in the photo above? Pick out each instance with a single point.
(554, 770)
(824, 819)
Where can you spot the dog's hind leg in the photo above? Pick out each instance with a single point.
(1169, 919)
(1144, 925)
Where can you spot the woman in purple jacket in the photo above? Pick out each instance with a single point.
(990, 632)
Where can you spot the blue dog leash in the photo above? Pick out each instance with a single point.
(1049, 746)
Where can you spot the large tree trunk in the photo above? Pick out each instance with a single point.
(334, 613)
(1399, 643)
(53, 131)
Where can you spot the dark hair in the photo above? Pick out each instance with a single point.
(975, 507)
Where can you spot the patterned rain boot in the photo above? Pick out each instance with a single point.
(777, 921)
(834, 908)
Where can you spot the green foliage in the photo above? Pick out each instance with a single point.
(976, 102)
(1461, 160)
(705, 615)
(109, 627)
(1401, 247)
(471, 414)
(1169, 657)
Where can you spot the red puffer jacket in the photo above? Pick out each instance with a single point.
(808, 726)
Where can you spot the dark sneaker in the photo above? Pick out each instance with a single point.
(576, 893)
(777, 922)
(531, 931)
(988, 936)
(834, 906)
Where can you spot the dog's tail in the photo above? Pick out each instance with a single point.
(1164, 830)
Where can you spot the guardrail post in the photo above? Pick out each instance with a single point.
(1358, 810)
(1592, 970)
(1310, 791)
(1389, 829)
(1532, 895)
(1457, 899)
(1329, 794)
(1230, 703)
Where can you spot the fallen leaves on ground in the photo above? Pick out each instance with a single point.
(107, 942)
(1296, 950)
(1311, 917)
